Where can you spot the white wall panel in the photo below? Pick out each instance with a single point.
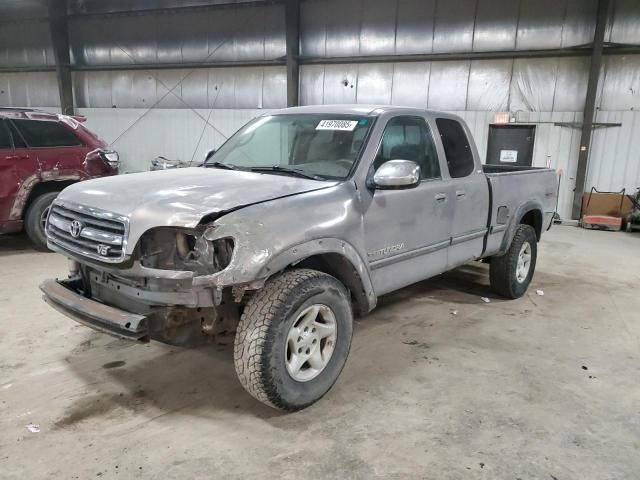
(171, 133)
(614, 162)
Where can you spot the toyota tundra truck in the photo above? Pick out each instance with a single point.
(298, 223)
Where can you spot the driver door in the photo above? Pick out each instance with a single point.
(407, 231)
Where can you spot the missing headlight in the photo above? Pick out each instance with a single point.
(168, 248)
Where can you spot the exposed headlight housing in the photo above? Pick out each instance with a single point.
(169, 248)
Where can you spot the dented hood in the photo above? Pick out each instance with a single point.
(181, 197)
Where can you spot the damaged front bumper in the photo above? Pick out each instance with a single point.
(65, 297)
(147, 304)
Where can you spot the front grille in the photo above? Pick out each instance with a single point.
(87, 231)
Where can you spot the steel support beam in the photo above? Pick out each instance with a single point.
(581, 52)
(116, 12)
(60, 43)
(292, 22)
(590, 107)
(506, 54)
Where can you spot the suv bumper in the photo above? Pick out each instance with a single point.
(65, 298)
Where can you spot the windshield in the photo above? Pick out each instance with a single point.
(320, 146)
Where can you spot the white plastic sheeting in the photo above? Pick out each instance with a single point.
(29, 89)
(25, 43)
(199, 35)
(380, 27)
(534, 84)
(238, 87)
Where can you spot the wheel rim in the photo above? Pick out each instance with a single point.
(43, 217)
(524, 262)
(310, 342)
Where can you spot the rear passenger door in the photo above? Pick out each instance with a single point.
(16, 168)
(58, 150)
(470, 194)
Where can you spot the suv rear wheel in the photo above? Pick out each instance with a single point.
(293, 339)
(36, 217)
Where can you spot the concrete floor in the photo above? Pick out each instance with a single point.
(545, 387)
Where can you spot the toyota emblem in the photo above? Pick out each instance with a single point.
(75, 228)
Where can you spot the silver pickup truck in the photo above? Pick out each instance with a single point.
(300, 221)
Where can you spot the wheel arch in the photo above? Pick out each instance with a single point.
(529, 213)
(41, 188)
(336, 258)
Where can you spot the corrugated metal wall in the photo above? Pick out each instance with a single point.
(545, 90)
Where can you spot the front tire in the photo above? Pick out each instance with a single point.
(512, 272)
(35, 218)
(293, 339)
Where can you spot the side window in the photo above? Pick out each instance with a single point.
(409, 138)
(456, 148)
(38, 133)
(5, 138)
(18, 142)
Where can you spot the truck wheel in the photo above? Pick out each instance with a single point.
(36, 217)
(511, 273)
(293, 339)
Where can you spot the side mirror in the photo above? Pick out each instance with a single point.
(397, 174)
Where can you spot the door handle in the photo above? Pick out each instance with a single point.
(460, 193)
(441, 197)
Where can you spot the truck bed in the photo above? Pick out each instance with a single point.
(513, 191)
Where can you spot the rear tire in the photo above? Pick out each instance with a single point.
(512, 272)
(34, 220)
(293, 339)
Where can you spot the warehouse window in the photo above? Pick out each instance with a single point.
(46, 134)
(456, 148)
(409, 138)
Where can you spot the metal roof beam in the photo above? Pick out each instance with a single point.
(60, 43)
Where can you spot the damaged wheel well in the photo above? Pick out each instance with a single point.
(341, 268)
(41, 188)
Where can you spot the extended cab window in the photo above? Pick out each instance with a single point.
(5, 138)
(409, 138)
(38, 133)
(456, 148)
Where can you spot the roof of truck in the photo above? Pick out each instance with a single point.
(349, 109)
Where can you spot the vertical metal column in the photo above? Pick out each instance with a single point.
(590, 106)
(292, 21)
(60, 42)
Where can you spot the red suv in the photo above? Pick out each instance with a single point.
(40, 154)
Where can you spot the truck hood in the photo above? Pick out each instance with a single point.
(181, 197)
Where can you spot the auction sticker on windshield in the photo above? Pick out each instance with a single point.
(346, 125)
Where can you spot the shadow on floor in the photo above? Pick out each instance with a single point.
(15, 243)
(203, 381)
